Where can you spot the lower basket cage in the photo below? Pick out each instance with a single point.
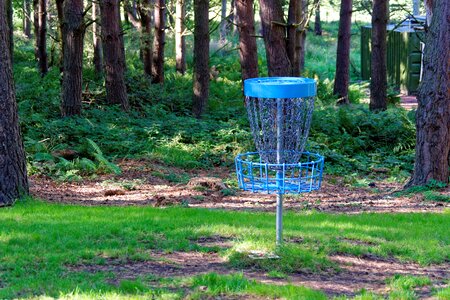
(303, 175)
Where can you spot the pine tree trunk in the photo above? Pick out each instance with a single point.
(9, 17)
(145, 11)
(294, 16)
(27, 18)
(317, 23)
(97, 41)
(223, 23)
(40, 29)
(342, 77)
(433, 113)
(378, 82)
(201, 57)
(248, 52)
(159, 42)
(73, 36)
(116, 91)
(60, 12)
(180, 41)
(274, 33)
(13, 173)
(301, 35)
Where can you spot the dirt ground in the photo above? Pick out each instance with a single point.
(144, 182)
(149, 183)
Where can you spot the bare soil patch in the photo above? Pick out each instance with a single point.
(144, 182)
(356, 273)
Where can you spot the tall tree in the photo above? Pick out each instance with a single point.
(9, 17)
(27, 18)
(73, 36)
(317, 23)
(247, 41)
(294, 21)
(342, 77)
(201, 57)
(180, 41)
(378, 81)
(13, 173)
(145, 11)
(301, 34)
(40, 29)
(274, 33)
(114, 64)
(223, 23)
(60, 12)
(97, 41)
(433, 112)
(159, 42)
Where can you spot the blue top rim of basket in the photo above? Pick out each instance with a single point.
(280, 87)
(316, 158)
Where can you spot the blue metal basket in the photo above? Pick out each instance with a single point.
(256, 175)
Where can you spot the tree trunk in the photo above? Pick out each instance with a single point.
(13, 173)
(126, 11)
(116, 91)
(294, 17)
(73, 36)
(201, 57)
(378, 82)
(97, 41)
(159, 42)
(9, 17)
(60, 12)
(247, 42)
(433, 113)
(317, 24)
(27, 18)
(145, 11)
(40, 29)
(342, 77)
(180, 41)
(223, 23)
(301, 35)
(274, 33)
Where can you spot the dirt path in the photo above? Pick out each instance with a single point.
(147, 183)
(356, 273)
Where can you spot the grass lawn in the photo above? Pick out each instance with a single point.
(44, 246)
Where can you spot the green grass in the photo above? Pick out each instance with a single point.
(39, 240)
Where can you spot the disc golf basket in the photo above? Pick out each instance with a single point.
(280, 112)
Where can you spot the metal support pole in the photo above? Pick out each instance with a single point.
(279, 218)
(279, 224)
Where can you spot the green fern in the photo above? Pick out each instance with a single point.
(102, 160)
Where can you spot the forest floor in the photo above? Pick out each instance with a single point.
(149, 183)
(145, 182)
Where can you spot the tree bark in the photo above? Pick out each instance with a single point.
(274, 33)
(145, 11)
(159, 42)
(201, 57)
(378, 82)
(433, 113)
(223, 23)
(114, 64)
(248, 52)
(294, 18)
(60, 12)
(27, 18)
(180, 41)
(40, 29)
(342, 77)
(97, 41)
(9, 17)
(301, 35)
(73, 36)
(317, 23)
(13, 173)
